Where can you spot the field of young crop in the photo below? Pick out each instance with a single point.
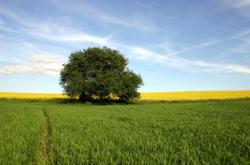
(21, 127)
(202, 132)
(167, 96)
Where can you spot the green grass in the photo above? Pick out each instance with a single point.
(20, 128)
(205, 132)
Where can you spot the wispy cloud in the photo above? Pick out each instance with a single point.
(38, 64)
(242, 48)
(134, 21)
(183, 63)
(242, 6)
(237, 3)
(69, 35)
(50, 30)
(205, 44)
(147, 5)
(4, 27)
(243, 3)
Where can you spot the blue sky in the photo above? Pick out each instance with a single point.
(174, 45)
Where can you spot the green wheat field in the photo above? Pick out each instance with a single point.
(194, 132)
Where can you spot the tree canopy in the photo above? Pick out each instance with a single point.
(99, 74)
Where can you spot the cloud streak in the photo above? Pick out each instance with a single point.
(212, 42)
(183, 63)
(241, 6)
(137, 22)
(68, 35)
(237, 3)
(50, 31)
(243, 47)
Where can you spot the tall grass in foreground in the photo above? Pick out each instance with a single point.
(20, 129)
(186, 133)
(208, 132)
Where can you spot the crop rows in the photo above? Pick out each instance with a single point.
(211, 132)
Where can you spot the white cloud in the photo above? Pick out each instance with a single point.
(41, 64)
(235, 68)
(67, 35)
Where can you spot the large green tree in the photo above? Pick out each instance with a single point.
(99, 74)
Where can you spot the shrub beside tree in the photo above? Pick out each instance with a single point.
(99, 74)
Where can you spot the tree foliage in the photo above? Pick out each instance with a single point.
(99, 74)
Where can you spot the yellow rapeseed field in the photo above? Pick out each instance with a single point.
(168, 96)
(195, 95)
(13, 95)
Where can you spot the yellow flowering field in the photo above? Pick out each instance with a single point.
(189, 95)
(195, 95)
(13, 95)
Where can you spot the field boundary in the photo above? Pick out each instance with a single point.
(72, 101)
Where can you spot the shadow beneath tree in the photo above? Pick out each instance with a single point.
(96, 101)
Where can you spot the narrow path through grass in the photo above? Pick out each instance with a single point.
(43, 150)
